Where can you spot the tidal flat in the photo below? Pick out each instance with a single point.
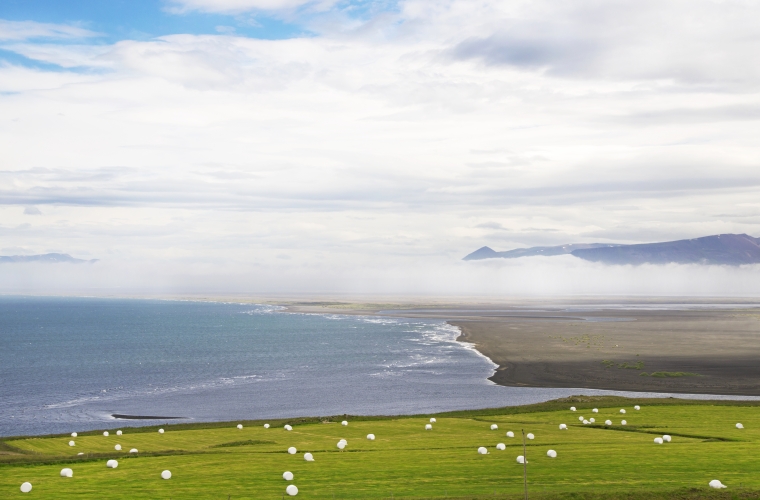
(667, 345)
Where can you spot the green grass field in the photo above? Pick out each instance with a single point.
(218, 460)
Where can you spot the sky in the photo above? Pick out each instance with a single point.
(333, 146)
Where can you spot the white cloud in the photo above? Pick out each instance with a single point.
(26, 30)
(414, 138)
(238, 6)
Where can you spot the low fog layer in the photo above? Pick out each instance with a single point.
(532, 276)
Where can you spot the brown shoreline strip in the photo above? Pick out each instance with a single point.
(143, 417)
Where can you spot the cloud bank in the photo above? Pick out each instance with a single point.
(381, 146)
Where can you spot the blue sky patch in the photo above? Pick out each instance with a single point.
(144, 19)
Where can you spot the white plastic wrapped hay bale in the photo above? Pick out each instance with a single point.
(623, 422)
(66, 472)
(166, 474)
(371, 437)
(510, 434)
(344, 423)
(592, 420)
(428, 427)
(530, 435)
(658, 440)
(586, 422)
(240, 426)
(521, 459)
(551, 454)
(637, 407)
(717, 484)
(562, 427)
(288, 427)
(80, 453)
(26, 487)
(572, 408)
(105, 433)
(73, 434)
(112, 464)
(291, 490)
(622, 410)
(266, 426)
(739, 426)
(494, 427)
(133, 450)
(160, 431)
(608, 422)
(117, 447)
(482, 451)
(287, 475)
(308, 457)
(118, 433)
(595, 410)
(666, 438)
(292, 450)
(341, 445)
(432, 420)
(581, 419)
(501, 446)
(72, 443)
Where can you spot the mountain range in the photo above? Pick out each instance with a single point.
(720, 249)
(47, 257)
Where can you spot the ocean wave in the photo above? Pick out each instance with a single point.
(264, 309)
(117, 395)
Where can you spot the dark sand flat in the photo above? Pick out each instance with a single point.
(687, 348)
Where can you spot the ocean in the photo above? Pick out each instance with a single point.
(69, 364)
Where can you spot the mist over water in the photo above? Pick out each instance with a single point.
(68, 364)
(390, 275)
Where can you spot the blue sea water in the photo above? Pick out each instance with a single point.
(68, 364)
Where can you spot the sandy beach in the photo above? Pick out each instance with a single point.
(659, 346)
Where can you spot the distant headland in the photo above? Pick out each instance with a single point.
(51, 258)
(720, 249)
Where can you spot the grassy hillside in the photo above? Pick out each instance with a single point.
(405, 460)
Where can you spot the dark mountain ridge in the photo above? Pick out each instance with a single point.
(721, 249)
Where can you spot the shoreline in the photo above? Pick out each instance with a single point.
(582, 401)
(696, 349)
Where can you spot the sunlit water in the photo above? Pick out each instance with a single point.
(68, 364)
